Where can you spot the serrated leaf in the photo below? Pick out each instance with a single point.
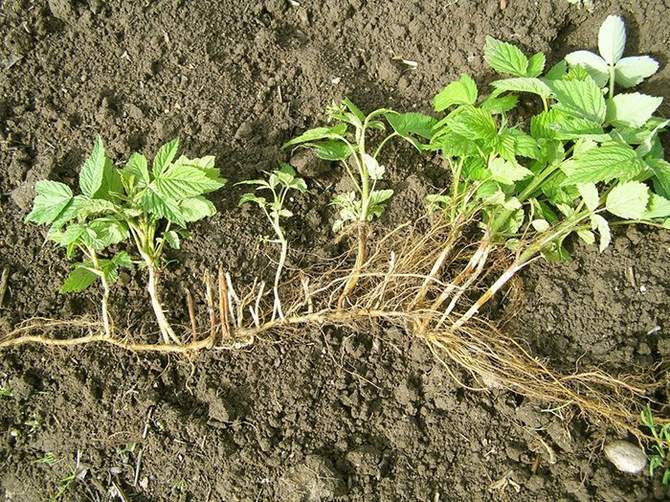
(111, 186)
(586, 236)
(459, 92)
(661, 170)
(72, 210)
(108, 231)
(589, 194)
(595, 66)
(505, 58)
(580, 98)
(375, 171)
(92, 172)
(499, 104)
(599, 223)
(525, 145)
(571, 128)
(631, 71)
(165, 156)
(631, 110)
(78, 280)
(472, 123)
(474, 168)
(557, 71)
(137, 170)
(318, 133)
(196, 208)
(507, 172)
(452, 144)
(52, 198)
(171, 238)
(162, 207)
(122, 260)
(523, 84)
(628, 200)
(536, 65)
(180, 182)
(604, 163)
(380, 196)
(411, 124)
(659, 207)
(612, 39)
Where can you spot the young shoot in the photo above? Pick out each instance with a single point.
(347, 141)
(659, 453)
(279, 184)
(152, 208)
(584, 162)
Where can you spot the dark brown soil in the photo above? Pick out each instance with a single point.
(326, 416)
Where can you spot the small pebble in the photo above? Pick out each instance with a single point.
(626, 457)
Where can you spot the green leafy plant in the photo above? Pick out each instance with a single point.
(279, 184)
(586, 161)
(347, 142)
(149, 207)
(659, 456)
(610, 67)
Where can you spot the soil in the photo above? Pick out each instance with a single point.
(328, 415)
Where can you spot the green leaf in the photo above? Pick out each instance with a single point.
(628, 200)
(108, 231)
(557, 71)
(612, 39)
(586, 236)
(472, 123)
(574, 128)
(599, 223)
(661, 170)
(523, 84)
(580, 98)
(502, 104)
(589, 194)
(631, 71)
(92, 172)
(525, 145)
(330, 149)
(411, 124)
(536, 65)
(318, 133)
(604, 163)
(78, 280)
(111, 182)
(452, 144)
(594, 65)
(631, 110)
(182, 182)
(459, 92)
(162, 207)
(354, 109)
(52, 198)
(659, 207)
(196, 208)
(380, 196)
(165, 156)
(79, 204)
(171, 238)
(507, 172)
(122, 260)
(136, 168)
(505, 58)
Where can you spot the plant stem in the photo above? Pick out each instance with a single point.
(152, 286)
(361, 256)
(106, 322)
(612, 79)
